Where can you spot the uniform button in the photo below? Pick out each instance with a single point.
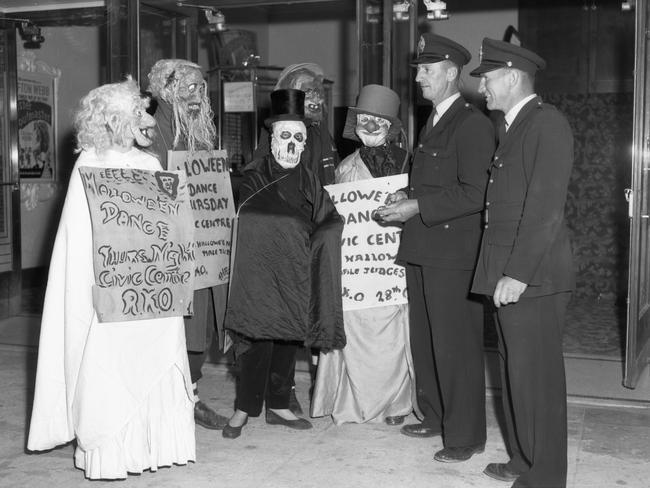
(412, 189)
(491, 180)
(496, 158)
(446, 226)
(419, 145)
(435, 154)
(500, 165)
(485, 226)
(487, 204)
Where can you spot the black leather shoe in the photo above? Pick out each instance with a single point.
(294, 406)
(458, 454)
(419, 430)
(230, 432)
(395, 419)
(500, 471)
(273, 418)
(208, 418)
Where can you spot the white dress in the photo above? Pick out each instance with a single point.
(122, 389)
(372, 377)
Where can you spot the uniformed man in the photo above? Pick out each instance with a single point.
(440, 243)
(525, 263)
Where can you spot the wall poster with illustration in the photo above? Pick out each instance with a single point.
(37, 125)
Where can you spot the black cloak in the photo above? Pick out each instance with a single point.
(286, 277)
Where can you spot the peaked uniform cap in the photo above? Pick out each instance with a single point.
(377, 100)
(433, 48)
(500, 54)
(286, 104)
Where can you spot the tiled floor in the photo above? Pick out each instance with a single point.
(608, 447)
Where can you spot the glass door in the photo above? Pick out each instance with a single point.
(638, 317)
(10, 262)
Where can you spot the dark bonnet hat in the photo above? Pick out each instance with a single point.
(286, 104)
(500, 54)
(375, 100)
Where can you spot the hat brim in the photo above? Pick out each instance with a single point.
(284, 117)
(428, 59)
(486, 67)
(349, 131)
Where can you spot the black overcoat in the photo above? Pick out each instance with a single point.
(286, 277)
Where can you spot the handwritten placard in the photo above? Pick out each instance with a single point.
(238, 96)
(210, 192)
(370, 277)
(143, 243)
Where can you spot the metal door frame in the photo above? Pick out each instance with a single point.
(637, 351)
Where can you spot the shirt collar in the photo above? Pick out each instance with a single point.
(514, 111)
(443, 106)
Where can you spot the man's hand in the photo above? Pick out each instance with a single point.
(508, 290)
(400, 211)
(395, 197)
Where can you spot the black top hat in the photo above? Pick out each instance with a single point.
(500, 54)
(433, 48)
(286, 104)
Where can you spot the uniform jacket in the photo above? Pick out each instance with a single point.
(525, 234)
(448, 179)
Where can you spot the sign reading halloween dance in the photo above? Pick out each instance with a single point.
(370, 277)
(210, 192)
(143, 243)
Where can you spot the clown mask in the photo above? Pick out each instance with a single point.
(372, 130)
(288, 142)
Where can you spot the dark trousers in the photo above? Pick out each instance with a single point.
(534, 389)
(265, 376)
(209, 310)
(446, 327)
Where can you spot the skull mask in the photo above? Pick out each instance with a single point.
(288, 142)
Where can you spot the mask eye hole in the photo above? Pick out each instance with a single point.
(299, 137)
(192, 87)
(285, 134)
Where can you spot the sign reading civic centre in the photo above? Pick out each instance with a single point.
(370, 277)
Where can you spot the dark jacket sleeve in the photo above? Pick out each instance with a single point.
(475, 146)
(548, 159)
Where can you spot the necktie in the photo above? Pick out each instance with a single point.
(436, 117)
(501, 130)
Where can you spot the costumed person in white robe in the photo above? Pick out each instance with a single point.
(285, 287)
(122, 390)
(371, 379)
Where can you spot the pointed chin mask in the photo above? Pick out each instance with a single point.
(288, 142)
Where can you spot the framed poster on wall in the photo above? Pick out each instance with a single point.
(37, 125)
